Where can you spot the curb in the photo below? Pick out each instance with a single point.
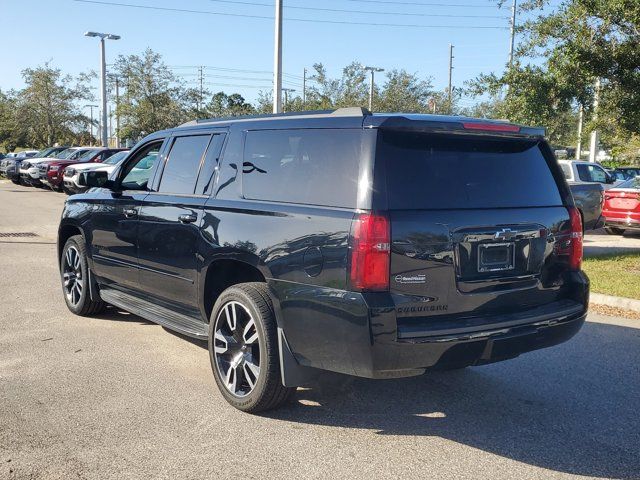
(611, 301)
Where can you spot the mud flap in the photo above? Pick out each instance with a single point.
(293, 374)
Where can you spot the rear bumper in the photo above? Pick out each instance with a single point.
(627, 222)
(363, 335)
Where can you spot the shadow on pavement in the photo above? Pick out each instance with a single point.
(572, 408)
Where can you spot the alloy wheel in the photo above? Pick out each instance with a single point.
(72, 275)
(237, 348)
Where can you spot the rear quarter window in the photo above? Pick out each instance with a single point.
(313, 167)
(431, 171)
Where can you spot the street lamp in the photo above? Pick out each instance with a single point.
(91, 124)
(103, 79)
(372, 70)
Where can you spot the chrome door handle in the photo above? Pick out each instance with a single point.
(130, 212)
(188, 218)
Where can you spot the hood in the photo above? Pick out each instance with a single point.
(83, 167)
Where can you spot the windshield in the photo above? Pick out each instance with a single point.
(65, 153)
(115, 159)
(44, 153)
(632, 183)
(87, 154)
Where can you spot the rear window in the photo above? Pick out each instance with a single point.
(445, 172)
(313, 167)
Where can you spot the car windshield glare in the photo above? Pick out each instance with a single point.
(631, 183)
(115, 159)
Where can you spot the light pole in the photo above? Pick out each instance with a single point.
(372, 70)
(277, 60)
(91, 107)
(103, 79)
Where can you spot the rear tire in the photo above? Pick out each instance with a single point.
(17, 182)
(614, 230)
(243, 349)
(74, 276)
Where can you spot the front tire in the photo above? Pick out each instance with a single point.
(614, 230)
(74, 276)
(243, 349)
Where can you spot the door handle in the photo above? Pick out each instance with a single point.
(188, 218)
(130, 212)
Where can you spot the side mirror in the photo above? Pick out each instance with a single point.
(611, 179)
(95, 179)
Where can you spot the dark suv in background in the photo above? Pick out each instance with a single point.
(372, 245)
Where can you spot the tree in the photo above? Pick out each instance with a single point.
(578, 42)
(154, 100)
(223, 105)
(47, 108)
(405, 92)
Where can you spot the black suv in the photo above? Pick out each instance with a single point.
(372, 245)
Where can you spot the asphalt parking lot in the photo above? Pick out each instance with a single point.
(119, 397)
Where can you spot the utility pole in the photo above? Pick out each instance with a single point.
(117, 112)
(103, 79)
(110, 126)
(450, 89)
(277, 60)
(580, 120)
(372, 71)
(304, 87)
(286, 97)
(513, 32)
(594, 145)
(201, 100)
(91, 107)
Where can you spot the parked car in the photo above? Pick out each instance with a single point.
(73, 181)
(628, 172)
(579, 171)
(622, 207)
(10, 166)
(379, 246)
(589, 199)
(28, 170)
(51, 173)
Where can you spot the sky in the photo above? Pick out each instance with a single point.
(237, 48)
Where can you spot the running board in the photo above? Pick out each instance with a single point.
(155, 313)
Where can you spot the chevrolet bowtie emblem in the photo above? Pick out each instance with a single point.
(505, 234)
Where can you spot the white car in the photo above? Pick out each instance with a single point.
(579, 171)
(71, 174)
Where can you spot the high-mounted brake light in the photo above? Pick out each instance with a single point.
(371, 250)
(575, 248)
(491, 127)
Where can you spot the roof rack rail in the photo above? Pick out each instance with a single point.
(338, 112)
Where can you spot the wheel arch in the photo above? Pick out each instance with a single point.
(223, 273)
(65, 232)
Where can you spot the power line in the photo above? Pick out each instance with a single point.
(367, 12)
(421, 4)
(306, 20)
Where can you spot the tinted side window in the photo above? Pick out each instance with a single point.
(566, 169)
(314, 167)
(591, 173)
(138, 171)
(183, 164)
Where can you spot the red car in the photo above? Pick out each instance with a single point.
(622, 207)
(51, 173)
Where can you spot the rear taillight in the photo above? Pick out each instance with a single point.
(575, 247)
(371, 249)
